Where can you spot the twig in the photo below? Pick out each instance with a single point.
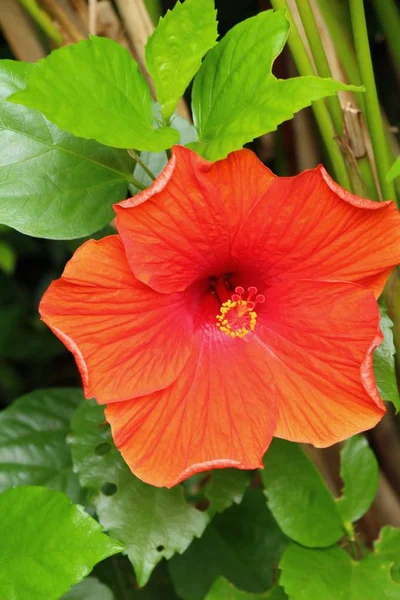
(145, 168)
(92, 17)
(60, 14)
(43, 20)
(20, 33)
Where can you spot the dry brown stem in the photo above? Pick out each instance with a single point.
(20, 33)
(66, 18)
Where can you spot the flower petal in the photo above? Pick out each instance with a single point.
(321, 336)
(221, 412)
(127, 339)
(181, 228)
(308, 227)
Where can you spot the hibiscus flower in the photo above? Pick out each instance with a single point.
(232, 306)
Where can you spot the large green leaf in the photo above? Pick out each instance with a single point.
(175, 49)
(33, 448)
(359, 472)
(235, 96)
(89, 589)
(298, 498)
(243, 544)
(52, 184)
(384, 363)
(94, 89)
(47, 544)
(152, 523)
(331, 574)
(223, 590)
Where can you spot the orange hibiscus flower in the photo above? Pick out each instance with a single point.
(233, 306)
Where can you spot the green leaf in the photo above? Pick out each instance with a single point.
(52, 184)
(157, 161)
(8, 258)
(384, 364)
(47, 544)
(227, 487)
(175, 49)
(89, 589)
(298, 498)
(243, 544)
(223, 590)
(387, 547)
(94, 89)
(331, 574)
(235, 96)
(153, 523)
(33, 449)
(394, 170)
(360, 474)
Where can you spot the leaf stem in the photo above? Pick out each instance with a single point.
(43, 20)
(321, 62)
(136, 158)
(321, 112)
(372, 108)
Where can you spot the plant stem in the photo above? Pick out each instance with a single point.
(343, 45)
(43, 20)
(372, 108)
(320, 59)
(145, 168)
(388, 14)
(321, 113)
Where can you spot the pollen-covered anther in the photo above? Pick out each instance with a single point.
(237, 316)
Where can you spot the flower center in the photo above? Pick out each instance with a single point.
(237, 316)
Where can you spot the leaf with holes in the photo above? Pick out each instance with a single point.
(153, 523)
(243, 544)
(176, 47)
(94, 90)
(33, 448)
(47, 544)
(298, 498)
(52, 184)
(359, 472)
(235, 95)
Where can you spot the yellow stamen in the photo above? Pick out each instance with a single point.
(237, 318)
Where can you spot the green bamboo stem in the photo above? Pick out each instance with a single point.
(372, 108)
(320, 59)
(320, 110)
(343, 45)
(43, 20)
(388, 14)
